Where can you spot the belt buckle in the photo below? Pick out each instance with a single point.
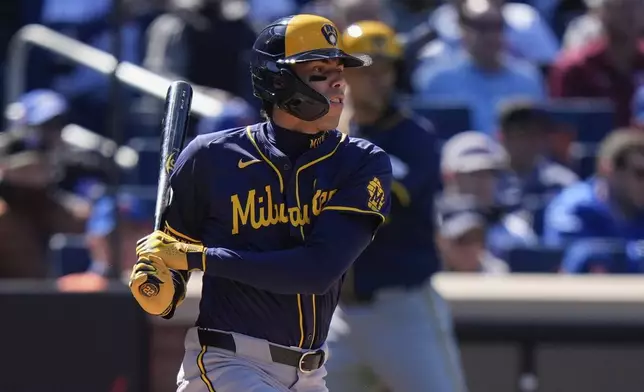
(301, 364)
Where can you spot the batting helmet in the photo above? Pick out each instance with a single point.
(290, 40)
(372, 38)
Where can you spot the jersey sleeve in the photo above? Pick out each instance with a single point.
(183, 217)
(367, 191)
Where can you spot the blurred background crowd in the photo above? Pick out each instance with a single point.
(537, 104)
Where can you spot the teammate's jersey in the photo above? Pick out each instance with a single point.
(234, 189)
(403, 254)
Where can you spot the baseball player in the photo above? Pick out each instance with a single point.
(391, 327)
(273, 214)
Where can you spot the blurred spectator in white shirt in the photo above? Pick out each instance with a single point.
(481, 76)
(584, 28)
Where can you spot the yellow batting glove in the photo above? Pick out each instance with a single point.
(175, 254)
(153, 268)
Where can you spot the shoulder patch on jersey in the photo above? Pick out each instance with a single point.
(376, 195)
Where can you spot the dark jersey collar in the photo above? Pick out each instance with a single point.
(273, 142)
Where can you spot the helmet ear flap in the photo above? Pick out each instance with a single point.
(278, 84)
(300, 99)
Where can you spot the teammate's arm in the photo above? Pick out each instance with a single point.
(417, 178)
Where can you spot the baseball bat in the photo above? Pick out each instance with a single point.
(173, 135)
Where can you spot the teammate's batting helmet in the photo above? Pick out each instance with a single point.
(372, 38)
(290, 40)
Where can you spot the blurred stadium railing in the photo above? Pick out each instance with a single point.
(127, 73)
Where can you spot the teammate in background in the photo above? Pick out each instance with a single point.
(273, 214)
(392, 328)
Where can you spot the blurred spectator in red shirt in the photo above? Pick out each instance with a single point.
(609, 67)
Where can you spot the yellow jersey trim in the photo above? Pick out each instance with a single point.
(180, 235)
(297, 199)
(279, 175)
(353, 209)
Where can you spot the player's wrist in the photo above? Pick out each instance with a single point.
(197, 260)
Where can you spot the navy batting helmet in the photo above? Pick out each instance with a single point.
(291, 40)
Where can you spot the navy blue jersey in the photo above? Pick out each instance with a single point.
(403, 254)
(280, 232)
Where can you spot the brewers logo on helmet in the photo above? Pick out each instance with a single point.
(290, 40)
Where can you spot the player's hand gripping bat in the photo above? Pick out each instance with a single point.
(173, 135)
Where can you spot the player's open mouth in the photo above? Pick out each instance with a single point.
(337, 100)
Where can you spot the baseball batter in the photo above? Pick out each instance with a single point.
(273, 214)
(392, 328)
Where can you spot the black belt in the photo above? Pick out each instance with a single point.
(305, 362)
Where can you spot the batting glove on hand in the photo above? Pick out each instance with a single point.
(152, 269)
(175, 254)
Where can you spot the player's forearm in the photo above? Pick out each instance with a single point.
(308, 269)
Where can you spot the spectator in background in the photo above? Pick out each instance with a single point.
(357, 10)
(471, 165)
(603, 256)
(203, 42)
(532, 179)
(90, 22)
(47, 186)
(408, 14)
(135, 213)
(461, 239)
(259, 14)
(527, 35)
(200, 42)
(236, 113)
(637, 107)
(481, 76)
(609, 67)
(585, 28)
(609, 205)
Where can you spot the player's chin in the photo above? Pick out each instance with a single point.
(330, 121)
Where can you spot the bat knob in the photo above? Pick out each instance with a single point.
(150, 288)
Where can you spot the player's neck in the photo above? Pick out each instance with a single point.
(294, 124)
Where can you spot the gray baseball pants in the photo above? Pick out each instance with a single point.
(249, 369)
